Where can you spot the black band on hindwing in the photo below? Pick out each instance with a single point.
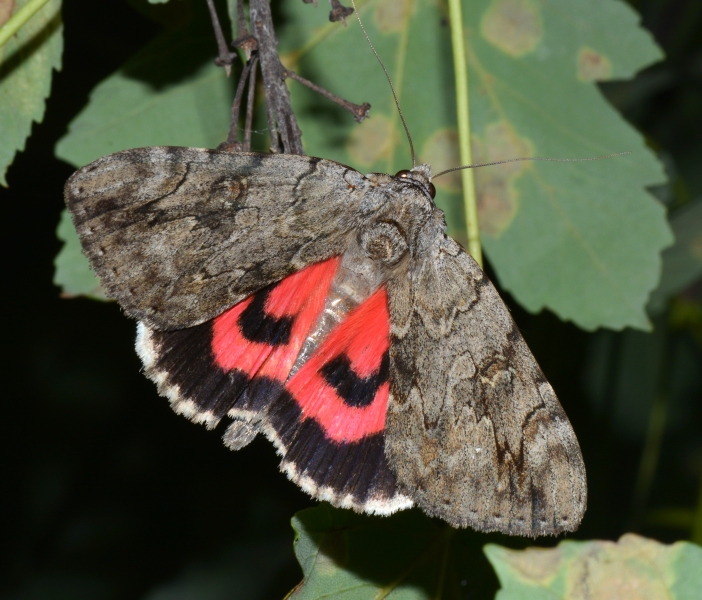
(354, 390)
(257, 326)
(358, 469)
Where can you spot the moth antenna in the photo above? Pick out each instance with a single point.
(392, 87)
(510, 160)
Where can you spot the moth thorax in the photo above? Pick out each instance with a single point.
(383, 241)
(357, 277)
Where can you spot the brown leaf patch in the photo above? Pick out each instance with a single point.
(371, 141)
(392, 15)
(536, 564)
(6, 8)
(513, 26)
(593, 66)
(441, 152)
(497, 196)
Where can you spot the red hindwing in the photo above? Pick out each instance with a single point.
(262, 335)
(344, 386)
(328, 419)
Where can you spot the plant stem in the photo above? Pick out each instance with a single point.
(16, 21)
(463, 113)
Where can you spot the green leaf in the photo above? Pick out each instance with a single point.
(634, 567)
(583, 239)
(598, 233)
(26, 62)
(73, 273)
(169, 93)
(682, 263)
(405, 556)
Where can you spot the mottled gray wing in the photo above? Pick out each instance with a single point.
(177, 235)
(475, 433)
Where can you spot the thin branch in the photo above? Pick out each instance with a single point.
(339, 12)
(236, 105)
(261, 48)
(250, 105)
(359, 112)
(247, 43)
(272, 129)
(225, 58)
(281, 119)
(241, 19)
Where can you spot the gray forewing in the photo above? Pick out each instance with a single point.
(475, 433)
(177, 235)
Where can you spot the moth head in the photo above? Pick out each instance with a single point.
(421, 175)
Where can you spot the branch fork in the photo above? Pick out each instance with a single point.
(259, 46)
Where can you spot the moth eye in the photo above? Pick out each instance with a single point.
(432, 190)
(383, 242)
(404, 173)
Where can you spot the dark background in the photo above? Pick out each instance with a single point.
(108, 494)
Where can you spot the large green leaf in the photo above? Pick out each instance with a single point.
(26, 62)
(406, 556)
(73, 274)
(583, 239)
(169, 93)
(633, 568)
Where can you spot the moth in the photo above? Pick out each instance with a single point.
(294, 297)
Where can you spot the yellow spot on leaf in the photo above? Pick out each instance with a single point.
(371, 141)
(513, 26)
(497, 196)
(6, 7)
(593, 66)
(633, 568)
(392, 15)
(537, 565)
(441, 152)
